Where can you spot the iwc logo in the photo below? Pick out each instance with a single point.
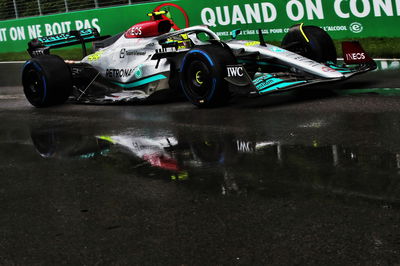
(356, 27)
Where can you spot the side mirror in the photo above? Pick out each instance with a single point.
(235, 33)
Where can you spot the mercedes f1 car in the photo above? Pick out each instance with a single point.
(150, 60)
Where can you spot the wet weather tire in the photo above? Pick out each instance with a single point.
(202, 74)
(46, 80)
(316, 44)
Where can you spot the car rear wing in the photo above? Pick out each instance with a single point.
(42, 45)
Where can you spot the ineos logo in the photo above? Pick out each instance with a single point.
(355, 56)
(136, 31)
(236, 71)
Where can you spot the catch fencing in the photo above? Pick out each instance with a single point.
(21, 8)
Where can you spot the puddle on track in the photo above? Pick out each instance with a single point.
(239, 164)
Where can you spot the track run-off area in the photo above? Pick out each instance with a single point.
(306, 177)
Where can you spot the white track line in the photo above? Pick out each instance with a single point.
(12, 62)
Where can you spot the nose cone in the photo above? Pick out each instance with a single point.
(330, 73)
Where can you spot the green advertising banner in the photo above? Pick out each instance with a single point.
(340, 18)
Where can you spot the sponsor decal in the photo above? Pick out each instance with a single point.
(265, 84)
(262, 78)
(276, 49)
(38, 52)
(245, 146)
(135, 53)
(238, 14)
(335, 28)
(19, 33)
(123, 73)
(304, 60)
(328, 69)
(353, 53)
(118, 73)
(96, 56)
(66, 36)
(136, 31)
(356, 27)
(124, 53)
(252, 43)
(296, 10)
(355, 56)
(138, 71)
(59, 37)
(235, 71)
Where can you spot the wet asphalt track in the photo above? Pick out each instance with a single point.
(309, 178)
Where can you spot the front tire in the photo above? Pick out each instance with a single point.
(202, 74)
(311, 42)
(47, 80)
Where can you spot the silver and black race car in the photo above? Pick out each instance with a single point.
(151, 61)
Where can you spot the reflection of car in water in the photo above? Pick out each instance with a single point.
(232, 164)
(154, 151)
(53, 143)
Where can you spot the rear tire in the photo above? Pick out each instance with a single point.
(202, 74)
(320, 47)
(47, 80)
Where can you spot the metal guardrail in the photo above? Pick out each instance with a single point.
(21, 8)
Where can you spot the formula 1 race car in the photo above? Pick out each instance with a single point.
(150, 61)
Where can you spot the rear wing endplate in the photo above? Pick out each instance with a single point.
(42, 45)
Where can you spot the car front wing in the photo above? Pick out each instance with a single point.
(265, 83)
